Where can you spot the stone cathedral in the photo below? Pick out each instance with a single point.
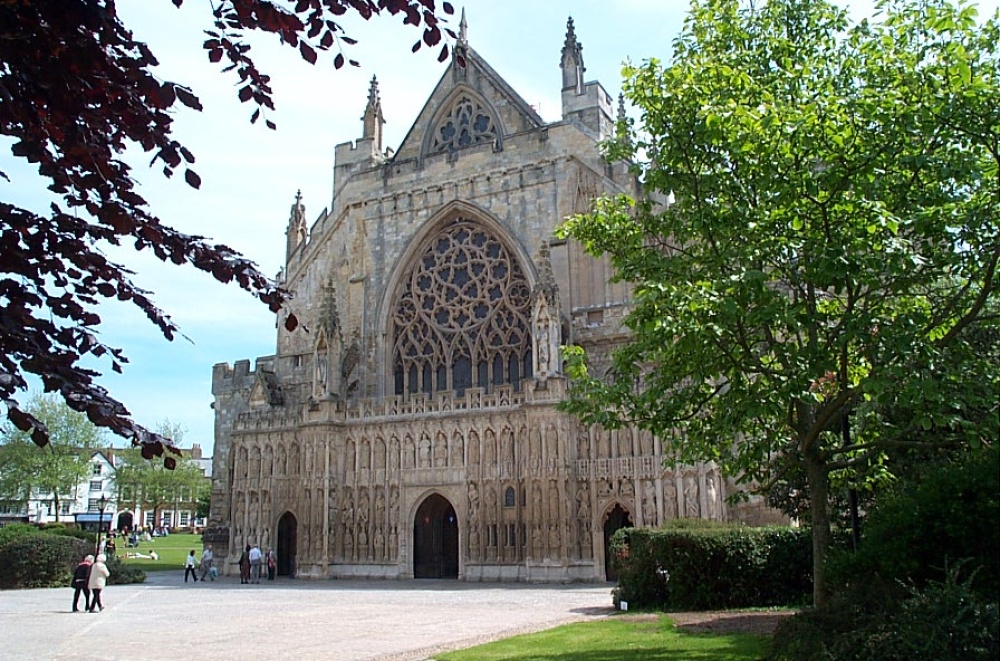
(410, 429)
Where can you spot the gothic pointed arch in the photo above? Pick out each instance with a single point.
(459, 312)
(463, 119)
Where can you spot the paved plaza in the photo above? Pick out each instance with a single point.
(165, 618)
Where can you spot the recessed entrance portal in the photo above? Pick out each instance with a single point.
(287, 544)
(435, 539)
(125, 521)
(617, 518)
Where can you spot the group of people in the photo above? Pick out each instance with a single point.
(251, 561)
(207, 565)
(89, 578)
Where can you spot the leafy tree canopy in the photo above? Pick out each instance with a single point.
(76, 91)
(60, 466)
(832, 249)
(141, 483)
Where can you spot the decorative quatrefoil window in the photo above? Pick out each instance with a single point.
(467, 123)
(463, 317)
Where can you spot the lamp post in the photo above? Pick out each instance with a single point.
(102, 502)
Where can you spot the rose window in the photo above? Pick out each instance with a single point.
(462, 319)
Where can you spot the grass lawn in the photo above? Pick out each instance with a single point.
(623, 638)
(172, 549)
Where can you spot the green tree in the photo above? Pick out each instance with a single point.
(832, 248)
(154, 486)
(60, 466)
(203, 501)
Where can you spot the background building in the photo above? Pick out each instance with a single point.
(412, 430)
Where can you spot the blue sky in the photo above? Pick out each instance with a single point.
(250, 175)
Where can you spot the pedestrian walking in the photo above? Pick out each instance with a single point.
(207, 562)
(98, 579)
(272, 563)
(81, 577)
(189, 564)
(255, 562)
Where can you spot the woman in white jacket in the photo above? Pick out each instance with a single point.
(98, 579)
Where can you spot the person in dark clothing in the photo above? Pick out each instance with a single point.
(245, 566)
(81, 576)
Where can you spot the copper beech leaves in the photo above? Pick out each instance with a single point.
(76, 92)
(309, 26)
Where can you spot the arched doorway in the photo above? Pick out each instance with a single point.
(287, 544)
(435, 539)
(616, 519)
(125, 520)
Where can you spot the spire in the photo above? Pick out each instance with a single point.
(459, 54)
(572, 59)
(621, 107)
(372, 118)
(296, 232)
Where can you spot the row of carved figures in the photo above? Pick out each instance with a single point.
(364, 523)
(426, 445)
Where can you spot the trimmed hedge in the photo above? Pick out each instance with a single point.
(13, 531)
(712, 568)
(41, 561)
(123, 573)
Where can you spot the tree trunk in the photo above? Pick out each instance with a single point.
(819, 493)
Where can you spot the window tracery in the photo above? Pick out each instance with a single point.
(468, 122)
(462, 319)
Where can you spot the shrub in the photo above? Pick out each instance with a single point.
(896, 598)
(697, 567)
(123, 573)
(66, 531)
(945, 621)
(946, 518)
(39, 561)
(13, 531)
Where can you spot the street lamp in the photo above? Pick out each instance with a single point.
(102, 502)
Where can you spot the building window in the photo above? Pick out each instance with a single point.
(65, 506)
(98, 469)
(149, 519)
(468, 122)
(166, 519)
(93, 505)
(96, 485)
(509, 499)
(462, 318)
(184, 520)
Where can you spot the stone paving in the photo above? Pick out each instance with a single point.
(165, 618)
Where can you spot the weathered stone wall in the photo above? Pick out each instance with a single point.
(319, 432)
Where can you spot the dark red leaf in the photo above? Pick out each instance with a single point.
(444, 53)
(338, 61)
(308, 54)
(169, 463)
(188, 98)
(192, 178)
(291, 323)
(245, 93)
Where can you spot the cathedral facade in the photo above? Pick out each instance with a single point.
(412, 430)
